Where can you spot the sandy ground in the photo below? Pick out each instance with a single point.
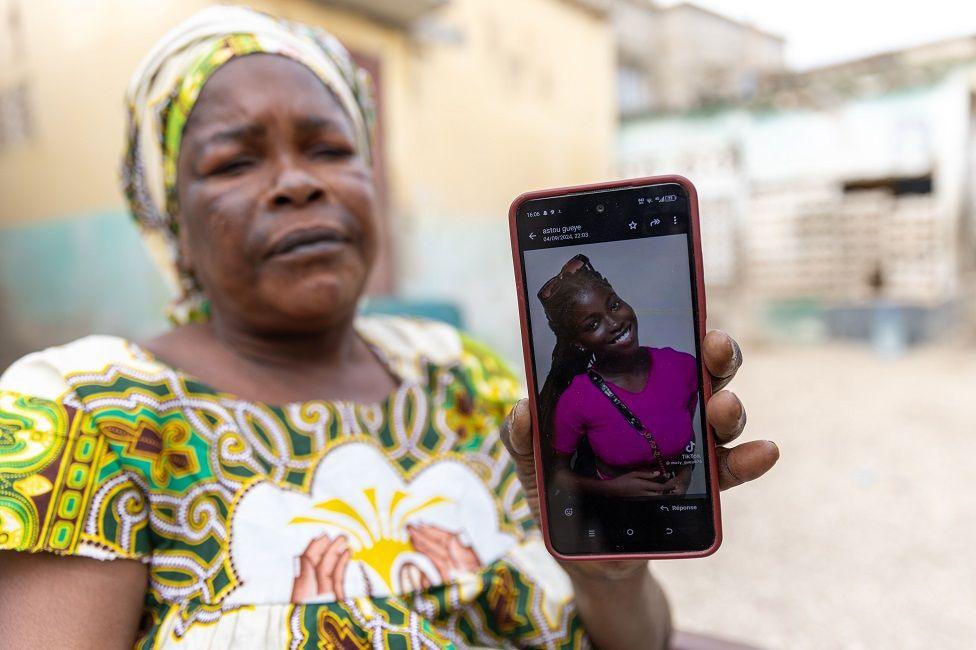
(863, 536)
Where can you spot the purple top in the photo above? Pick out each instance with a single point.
(663, 406)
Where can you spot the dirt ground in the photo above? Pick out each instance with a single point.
(862, 536)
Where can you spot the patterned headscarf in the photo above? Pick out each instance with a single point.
(164, 89)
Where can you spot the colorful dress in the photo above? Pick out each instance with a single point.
(327, 524)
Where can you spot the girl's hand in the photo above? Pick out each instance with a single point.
(682, 479)
(636, 484)
(736, 465)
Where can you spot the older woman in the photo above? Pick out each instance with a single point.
(274, 472)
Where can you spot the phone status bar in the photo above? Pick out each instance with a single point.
(547, 231)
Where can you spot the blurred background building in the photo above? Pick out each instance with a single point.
(834, 197)
(684, 56)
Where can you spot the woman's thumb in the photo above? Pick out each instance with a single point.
(516, 432)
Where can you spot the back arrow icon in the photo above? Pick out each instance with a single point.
(531, 235)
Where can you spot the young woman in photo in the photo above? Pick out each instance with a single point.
(633, 405)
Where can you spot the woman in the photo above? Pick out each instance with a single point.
(274, 472)
(633, 405)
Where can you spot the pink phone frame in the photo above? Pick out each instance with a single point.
(530, 379)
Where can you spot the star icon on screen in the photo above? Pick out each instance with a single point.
(632, 225)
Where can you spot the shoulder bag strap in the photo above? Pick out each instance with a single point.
(632, 419)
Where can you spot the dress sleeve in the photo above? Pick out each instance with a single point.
(62, 489)
(497, 387)
(477, 415)
(568, 422)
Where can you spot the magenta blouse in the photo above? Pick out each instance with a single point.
(665, 406)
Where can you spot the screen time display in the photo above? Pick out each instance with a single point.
(610, 294)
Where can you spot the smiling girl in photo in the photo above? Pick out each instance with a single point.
(633, 405)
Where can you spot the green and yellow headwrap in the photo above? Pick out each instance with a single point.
(161, 96)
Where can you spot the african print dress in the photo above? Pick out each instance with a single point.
(315, 524)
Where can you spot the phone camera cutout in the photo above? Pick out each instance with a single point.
(601, 208)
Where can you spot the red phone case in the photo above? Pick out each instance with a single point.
(530, 379)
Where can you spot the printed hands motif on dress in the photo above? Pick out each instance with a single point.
(385, 542)
(445, 549)
(322, 569)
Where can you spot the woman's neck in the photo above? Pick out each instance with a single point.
(621, 365)
(333, 363)
(333, 346)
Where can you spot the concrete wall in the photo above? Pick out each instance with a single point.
(689, 55)
(708, 57)
(777, 222)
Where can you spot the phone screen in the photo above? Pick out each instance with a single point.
(610, 290)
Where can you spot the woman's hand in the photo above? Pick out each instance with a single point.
(736, 465)
(750, 460)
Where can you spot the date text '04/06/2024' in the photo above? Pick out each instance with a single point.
(562, 233)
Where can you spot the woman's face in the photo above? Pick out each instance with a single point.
(604, 324)
(277, 206)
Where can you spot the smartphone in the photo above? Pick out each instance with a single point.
(612, 306)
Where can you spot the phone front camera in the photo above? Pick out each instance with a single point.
(600, 208)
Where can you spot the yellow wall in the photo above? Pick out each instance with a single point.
(79, 58)
(523, 100)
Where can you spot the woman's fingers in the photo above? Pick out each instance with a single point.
(726, 415)
(745, 462)
(516, 435)
(722, 357)
(516, 431)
